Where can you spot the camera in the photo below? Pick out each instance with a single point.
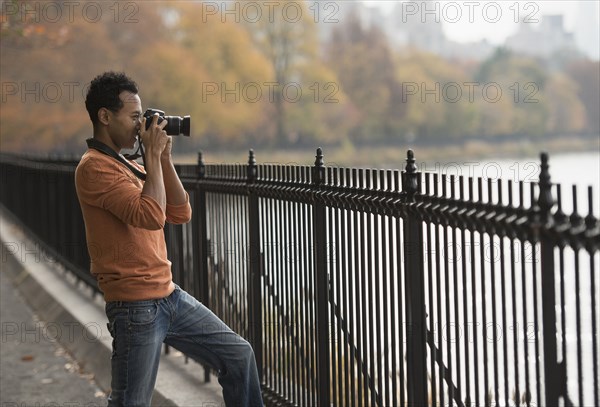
(176, 125)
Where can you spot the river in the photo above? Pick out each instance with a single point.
(568, 169)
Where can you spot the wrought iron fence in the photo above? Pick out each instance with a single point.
(373, 287)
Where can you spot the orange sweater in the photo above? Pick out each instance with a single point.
(124, 230)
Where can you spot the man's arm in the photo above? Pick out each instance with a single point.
(153, 185)
(175, 192)
(105, 183)
(179, 210)
(155, 139)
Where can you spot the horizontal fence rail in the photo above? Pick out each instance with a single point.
(372, 287)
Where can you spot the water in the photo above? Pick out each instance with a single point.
(580, 169)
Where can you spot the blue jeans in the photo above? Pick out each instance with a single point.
(139, 329)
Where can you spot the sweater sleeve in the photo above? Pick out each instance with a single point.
(175, 214)
(179, 214)
(107, 185)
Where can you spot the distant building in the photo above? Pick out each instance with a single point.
(422, 31)
(587, 36)
(473, 51)
(545, 40)
(425, 31)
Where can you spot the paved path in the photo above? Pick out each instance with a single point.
(34, 369)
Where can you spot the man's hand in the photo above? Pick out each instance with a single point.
(155, 139)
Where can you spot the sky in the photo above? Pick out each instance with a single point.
(471, 20)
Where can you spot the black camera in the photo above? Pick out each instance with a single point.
(176, 125)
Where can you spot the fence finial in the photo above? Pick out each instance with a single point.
(252, 168)
(410, 162)
(319, 158)
(410, 177)
(545, 200)
(319, 168)
(201, 166)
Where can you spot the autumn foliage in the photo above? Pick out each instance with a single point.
(270, 79)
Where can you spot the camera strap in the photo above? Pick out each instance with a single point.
(103, 148)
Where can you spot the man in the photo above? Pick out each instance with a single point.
(124, 217)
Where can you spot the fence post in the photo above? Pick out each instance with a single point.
(200, 228)
(254, 266)
(416, 354)
(322, 284)
(545, 203)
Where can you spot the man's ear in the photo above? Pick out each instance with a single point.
(103, 115)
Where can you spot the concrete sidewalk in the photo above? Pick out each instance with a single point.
(34, 368)
(55, 344)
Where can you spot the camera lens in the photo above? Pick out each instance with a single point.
(177, 126)
(186, 126)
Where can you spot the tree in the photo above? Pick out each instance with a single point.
(44, 77)
(210, 70)
(363, 62)
(305, 92)
(586, 75)
(172, 63)
(439, 97)
(567, 113)
(515, 86)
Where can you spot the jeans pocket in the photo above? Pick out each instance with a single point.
(114, 310)
(143, 315)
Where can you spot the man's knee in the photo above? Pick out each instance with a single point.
(246, 349)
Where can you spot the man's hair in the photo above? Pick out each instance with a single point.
(104, 92)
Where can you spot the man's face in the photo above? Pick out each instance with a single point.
(124, 125)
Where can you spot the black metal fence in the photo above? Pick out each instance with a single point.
(373, 287)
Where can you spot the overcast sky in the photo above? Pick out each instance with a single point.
(468, 20)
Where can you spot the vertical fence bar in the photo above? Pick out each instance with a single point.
(308, 255)
(387, 297)
(545, 203)
(279, 243)
(513, 296)
(590, 223)
(576, 222)
(367, 298)
(358, 284)
(504, 330)
(439, 352)
(334, 272)
(352, 283)
(536, 302)
(267, 271)
(445, 283)
(202, 264)
(297, 297)
(493, 298)
(416, 356)
(321, 284)
(254, 267)
(396, 314)
(345, 300)
(431, 302)
(465, 294)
